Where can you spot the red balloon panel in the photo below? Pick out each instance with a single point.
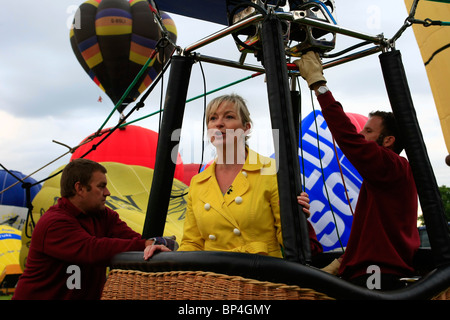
(132, 145)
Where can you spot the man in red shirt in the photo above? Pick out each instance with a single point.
(75, 239)
(384, 235)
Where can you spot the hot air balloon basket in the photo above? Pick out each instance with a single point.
(198, 285)
(443, 295)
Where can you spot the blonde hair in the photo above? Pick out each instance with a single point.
(239, 105)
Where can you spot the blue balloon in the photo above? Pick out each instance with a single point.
(322, 180)
(16, 196)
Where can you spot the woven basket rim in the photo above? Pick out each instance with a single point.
(113, 288)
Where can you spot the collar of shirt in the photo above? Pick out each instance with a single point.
(69, 207)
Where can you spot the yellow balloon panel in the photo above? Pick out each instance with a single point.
(433, 44)
(130, 189)
(129, 186)
(10, 244)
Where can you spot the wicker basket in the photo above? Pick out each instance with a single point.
(198, 285)
(443, 296)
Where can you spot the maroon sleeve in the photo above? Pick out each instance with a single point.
(117, 228)
(67, 240)
(316, 246)
(364, 155)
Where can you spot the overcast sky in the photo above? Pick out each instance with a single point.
(45, 95)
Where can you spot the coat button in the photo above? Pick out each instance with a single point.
(207, 206)
(212, 237)
(244, 173)
(236, 231)
(238, 200)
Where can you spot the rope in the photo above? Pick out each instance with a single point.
(19, 180)
(224, 87)
(199, 96)
(342, 176)
(123, 123)
(323, 177)
(27, 186)
(147, 63)
(410, 20)
(203, 126)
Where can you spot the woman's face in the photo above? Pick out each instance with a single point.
(225, 126)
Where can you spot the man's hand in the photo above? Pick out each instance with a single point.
(303, 199)
(159, 244)
(333, 267)
(310, 68)
(152, 248)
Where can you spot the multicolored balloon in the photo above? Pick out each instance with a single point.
(113, 40)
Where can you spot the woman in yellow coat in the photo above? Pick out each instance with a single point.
(244, 218)
(233, 205)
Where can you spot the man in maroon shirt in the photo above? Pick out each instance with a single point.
(384, 235)
(75, 239)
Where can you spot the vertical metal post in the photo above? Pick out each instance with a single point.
(296, 111)
(293, 221)
(158, 202)
(427, 188)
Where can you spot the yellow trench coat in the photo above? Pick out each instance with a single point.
(245, 219)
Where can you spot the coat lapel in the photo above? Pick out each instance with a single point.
(239, 187)
(213, 195)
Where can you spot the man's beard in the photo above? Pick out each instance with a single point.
(380, 139)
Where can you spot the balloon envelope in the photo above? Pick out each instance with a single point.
(10, 243)
(358, 120)
(130, 145)
(13, 202)
(323, 181)
(435, 51)
(16, 196)
(113, 39)
(190, 170)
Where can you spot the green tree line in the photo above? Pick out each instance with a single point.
(445, 195)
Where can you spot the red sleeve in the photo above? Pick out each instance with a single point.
(66, 240)
(316, 246)
(118, 228)
(364, 155)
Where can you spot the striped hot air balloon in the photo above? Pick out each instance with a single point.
(113, 40)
